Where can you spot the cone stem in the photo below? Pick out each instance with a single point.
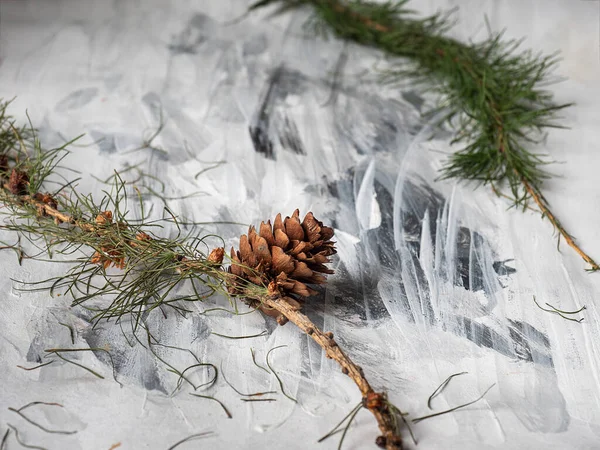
(372, 400)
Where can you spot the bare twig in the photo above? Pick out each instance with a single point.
(374, 401)
(539, 199)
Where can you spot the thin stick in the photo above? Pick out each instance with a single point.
(381, 411)
(541, 202)
(54, 213)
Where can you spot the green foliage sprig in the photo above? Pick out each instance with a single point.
(133, 270)
(491, 92)
(75, 225)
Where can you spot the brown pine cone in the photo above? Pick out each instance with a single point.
(285, 257)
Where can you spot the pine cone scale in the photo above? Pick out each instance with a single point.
(266, 233)
(281, 239)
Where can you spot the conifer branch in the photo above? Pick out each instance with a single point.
(375, 402)
(491, 93)
(150, 267)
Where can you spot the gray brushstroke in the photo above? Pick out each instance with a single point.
(77, 99)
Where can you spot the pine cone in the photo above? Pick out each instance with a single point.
(286, 257)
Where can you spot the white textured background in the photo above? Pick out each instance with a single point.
(421, 291)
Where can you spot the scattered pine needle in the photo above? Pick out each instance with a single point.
(559, 312)
(216, 400)
(56, 351)
(4, 440)
(398, 413)
(71, 331)
(189, 438)
(96, 374)
(277, 376)
(419, 419)
(256, 394)
(256, 364)
(35, 447)
(35, 367)
(336, 429)
(441, 387)
(262, 333)
(41, 427)
(172, 369)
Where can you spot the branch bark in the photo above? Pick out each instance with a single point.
(375, 402)
(542, 204)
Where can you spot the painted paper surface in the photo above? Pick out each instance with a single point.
(432, 278)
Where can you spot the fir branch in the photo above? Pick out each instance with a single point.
(491, 92)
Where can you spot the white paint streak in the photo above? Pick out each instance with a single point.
(422, 290)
